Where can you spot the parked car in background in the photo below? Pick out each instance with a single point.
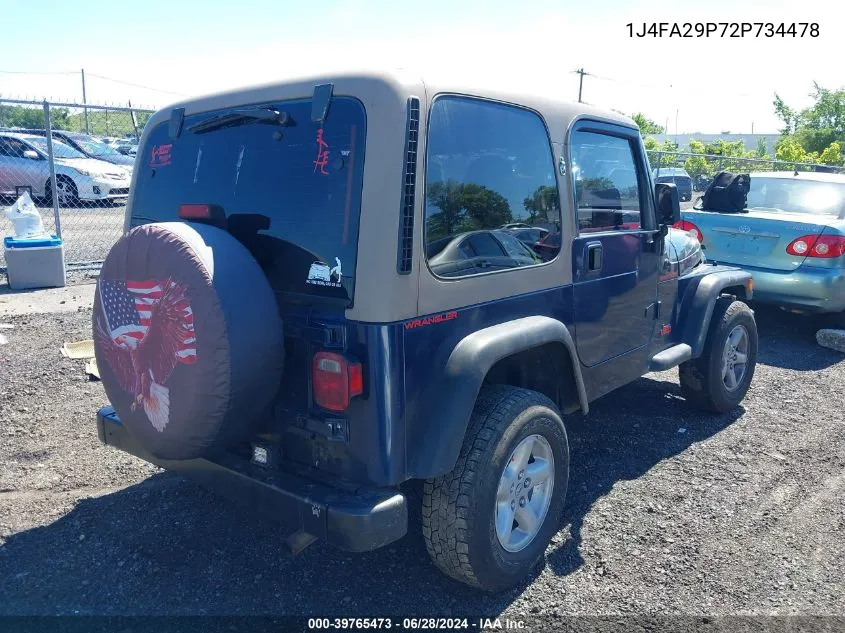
(125, 146)
(701, 182)
(529, 235)
(480, 251)
(91, 147)
(679, 177)
(24, 164)
(791, 237)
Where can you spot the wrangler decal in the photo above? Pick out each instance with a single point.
(439, 318)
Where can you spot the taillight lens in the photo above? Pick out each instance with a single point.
(689, 227)
(195, 212)
(335, 380)
(823, 246)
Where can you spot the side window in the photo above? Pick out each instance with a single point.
(490, 180)
(607, 193)
(12, 147)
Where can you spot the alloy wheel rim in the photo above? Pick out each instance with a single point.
(735, 358)
(524, 493)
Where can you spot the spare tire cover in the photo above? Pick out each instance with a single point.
(187, 336)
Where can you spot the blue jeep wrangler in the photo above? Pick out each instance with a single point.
(329, 293)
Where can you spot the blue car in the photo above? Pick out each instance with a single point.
(791, 237)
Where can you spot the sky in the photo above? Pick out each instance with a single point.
(190, 47)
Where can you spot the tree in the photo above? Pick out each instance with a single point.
(819, 125)
(646, 125)
(20, 116)
(651, 143)
(832, 155)
(465, 207)
(543, 200)
(761, 148)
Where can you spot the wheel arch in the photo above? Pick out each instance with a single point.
(699, 299)
(509, 350)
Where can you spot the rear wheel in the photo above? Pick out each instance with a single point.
(66, 191)
(720, 378)
(489, 521)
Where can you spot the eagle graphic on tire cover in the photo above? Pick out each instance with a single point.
(145, 329)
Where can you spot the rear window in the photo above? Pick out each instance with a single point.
(797, 196)
(291, 194)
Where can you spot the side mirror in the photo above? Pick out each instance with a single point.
(31, 154)
(668, 203)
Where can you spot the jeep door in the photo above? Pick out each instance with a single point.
(615, 254)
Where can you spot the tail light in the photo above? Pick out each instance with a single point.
(823, 246)
(689, 227)
(209, 213)
(335, 380)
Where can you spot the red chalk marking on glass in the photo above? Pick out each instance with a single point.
(160, 156)
(322, 154)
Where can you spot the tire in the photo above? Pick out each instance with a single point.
(459, 509)
(705, 381)
(70, 197)
(187, 337)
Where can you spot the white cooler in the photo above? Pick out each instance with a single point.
(34, 262)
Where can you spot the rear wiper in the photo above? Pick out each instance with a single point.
(239, 117)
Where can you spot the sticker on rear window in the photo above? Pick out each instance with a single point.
(161, 156)
(320, 274)
(322, 154)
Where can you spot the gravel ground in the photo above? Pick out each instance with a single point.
(669, 511)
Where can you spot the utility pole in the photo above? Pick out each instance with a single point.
(676, 127)
(84, 101)
(581, 72)
(752, 127)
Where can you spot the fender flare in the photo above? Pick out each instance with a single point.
(700, 299)
(449, 404)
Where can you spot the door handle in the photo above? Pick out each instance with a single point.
(594, 256)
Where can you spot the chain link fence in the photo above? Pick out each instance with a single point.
(76, 162)
(701, 168)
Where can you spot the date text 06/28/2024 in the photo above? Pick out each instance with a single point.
(723, 29)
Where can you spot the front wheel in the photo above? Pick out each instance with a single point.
(66, 191)
(720, 378)
(489, 521)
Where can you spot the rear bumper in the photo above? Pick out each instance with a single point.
(357, 522)
(805, 288)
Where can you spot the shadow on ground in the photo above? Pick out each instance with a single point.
(164, 546)
(788, 340)
(625, 435)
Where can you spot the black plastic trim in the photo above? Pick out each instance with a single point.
(405, 255)
(699, 300)
(670, 357)
(355, 522)
(452, 398)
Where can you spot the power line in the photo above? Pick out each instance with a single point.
(72, 72)
(127, 83)
(27, 72)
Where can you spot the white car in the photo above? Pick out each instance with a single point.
(24, 165)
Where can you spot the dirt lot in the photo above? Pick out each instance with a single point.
(669, 511)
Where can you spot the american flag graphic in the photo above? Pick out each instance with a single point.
(128, 305)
